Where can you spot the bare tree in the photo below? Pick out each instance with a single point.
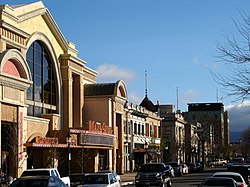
(245, 142)
(235, 52)
(83, 156)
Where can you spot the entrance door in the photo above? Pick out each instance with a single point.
(9, 147)
(103, 160)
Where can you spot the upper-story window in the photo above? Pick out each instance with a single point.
(43, 90)
(151, 130)
(139, 128)
(135, 128)
(142, 129)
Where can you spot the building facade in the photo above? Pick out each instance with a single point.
(53, 113)
(142, 137)
(173, 134)
(213, 130)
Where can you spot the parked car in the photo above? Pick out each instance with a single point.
(177, 168)
(100, 179)
(199, 166)
(217, 162)
(46, 172)
(218, 181)
(171, 170)
(41, 181)
(244, 170)
(76, 179)
(118, 178)
(155, 174)
(184, 169)
(236, 176)
(238, 160)
(191, 167)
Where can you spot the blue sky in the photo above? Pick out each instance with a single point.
(174, 41)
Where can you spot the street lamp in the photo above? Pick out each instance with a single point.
(69, 153)
(146, 148)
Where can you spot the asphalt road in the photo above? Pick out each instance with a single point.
(192, 180)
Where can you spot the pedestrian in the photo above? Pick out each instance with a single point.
(3, 178)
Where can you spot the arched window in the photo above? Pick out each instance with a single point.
(43, 90)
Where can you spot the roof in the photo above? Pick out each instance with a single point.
(99, 89)
(227, 173)
(147, 103)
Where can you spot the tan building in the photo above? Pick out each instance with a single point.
(48, 94)
(142, 136)
(172, 134)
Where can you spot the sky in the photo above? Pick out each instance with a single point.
(173, 41)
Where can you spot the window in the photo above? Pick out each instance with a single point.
(43, 90)
(151, 130)
(142, 128)
(135, 128)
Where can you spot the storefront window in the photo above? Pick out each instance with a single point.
(43, 89)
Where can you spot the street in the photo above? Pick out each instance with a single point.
(193, 179)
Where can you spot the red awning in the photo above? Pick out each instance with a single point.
(140, 150)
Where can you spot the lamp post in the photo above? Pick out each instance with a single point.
(69, 153)
(146, 148)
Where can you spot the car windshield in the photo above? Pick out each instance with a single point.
(151, 167)
(96, 179)
(174, 164)
(31, 182)
(36, 173)
(236, 178)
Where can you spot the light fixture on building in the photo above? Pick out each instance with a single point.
(69, 153)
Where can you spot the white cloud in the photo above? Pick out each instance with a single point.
(111, 72)
(239, 116)
(135, 98)
(188, 96)
(196, 60)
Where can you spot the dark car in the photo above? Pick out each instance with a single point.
(155, 174)
(76, 179)
(177, 168)
(41, 181)
(199, 166)
(191, 167)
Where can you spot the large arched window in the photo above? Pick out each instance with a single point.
(41, 96)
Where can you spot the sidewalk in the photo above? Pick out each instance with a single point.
(128, 178)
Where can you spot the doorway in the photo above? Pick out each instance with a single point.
(9, 147)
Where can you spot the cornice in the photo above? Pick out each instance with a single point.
(8, 15)
(32, 14)
(50, 21)
(14, 29)
(72, 58)
(13, 82)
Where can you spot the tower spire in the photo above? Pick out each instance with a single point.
(146, 84)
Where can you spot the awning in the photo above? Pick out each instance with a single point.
(140, 150)
(64, 146)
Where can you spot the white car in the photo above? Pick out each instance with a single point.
(171, 170)
(100, 180)
(184, 169)
(118, 178)
(236, 176)
(218, 182)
